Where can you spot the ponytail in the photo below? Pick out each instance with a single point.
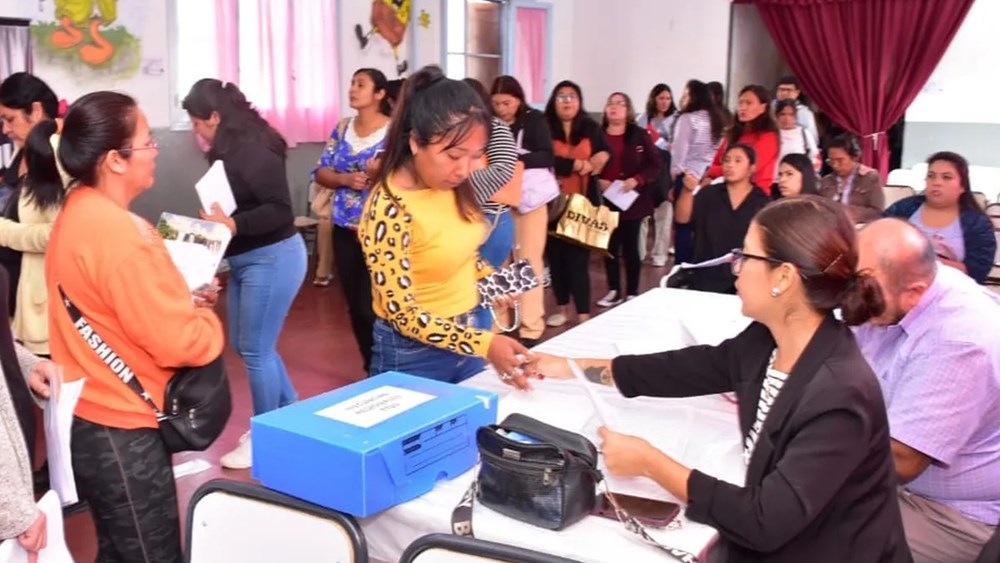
(239, 122)
(43, 184)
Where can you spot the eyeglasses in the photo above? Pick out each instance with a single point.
(617, 104)
(566, 98)
(150, 145)
(740, 257)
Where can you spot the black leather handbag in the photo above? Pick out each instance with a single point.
(196, 403)
(550, 482)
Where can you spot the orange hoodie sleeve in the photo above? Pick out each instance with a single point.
(155, 309)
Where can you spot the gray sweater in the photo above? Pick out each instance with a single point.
(17, 500)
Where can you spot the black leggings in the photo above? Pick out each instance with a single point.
(127, 480)
(624, 241)
(349, 260)
(569, 265)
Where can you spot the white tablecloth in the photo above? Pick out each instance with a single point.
(699, 432)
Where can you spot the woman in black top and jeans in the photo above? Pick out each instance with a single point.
(267, 256)
(820, 483)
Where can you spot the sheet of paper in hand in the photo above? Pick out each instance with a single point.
(214, 188)
(195, 246)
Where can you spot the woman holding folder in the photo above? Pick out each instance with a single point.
(820, 482)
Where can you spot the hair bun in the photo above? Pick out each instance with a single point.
(426, 77)
(862, 299)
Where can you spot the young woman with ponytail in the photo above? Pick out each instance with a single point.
(267, 256)
(420, 231)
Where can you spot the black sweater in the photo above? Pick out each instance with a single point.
(536, 138)
(263, 202)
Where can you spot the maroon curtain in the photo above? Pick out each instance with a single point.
(863, 61)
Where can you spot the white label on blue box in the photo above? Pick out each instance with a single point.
(375, 406)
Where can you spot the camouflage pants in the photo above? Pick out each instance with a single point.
(127, 479)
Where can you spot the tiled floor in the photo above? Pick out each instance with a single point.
(319, 351)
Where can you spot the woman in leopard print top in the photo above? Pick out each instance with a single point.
(420, 230)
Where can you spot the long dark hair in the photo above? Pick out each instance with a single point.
(480, 89)
(815, 234)
(21, 90)
(700, 98)
(581, 124)
(381, 83)
(95, 124)
(651, 102)
(803, 164)
(966, 200)
(239, 122)
(509, 85)
(43, 184)
(432, 107)
(761, 123)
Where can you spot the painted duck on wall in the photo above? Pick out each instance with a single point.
(389, 19)
(76, 15)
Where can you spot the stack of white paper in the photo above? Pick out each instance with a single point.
(214, 188)
(58, 429)
(618, 195)
(55, 550)
(196, 247)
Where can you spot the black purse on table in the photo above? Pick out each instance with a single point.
(196, 403)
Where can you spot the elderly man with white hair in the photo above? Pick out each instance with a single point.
(936, 352)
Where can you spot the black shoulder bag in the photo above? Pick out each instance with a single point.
(197, 402)
(549, 481)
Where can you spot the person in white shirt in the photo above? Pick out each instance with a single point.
(789, 89)
(794, 138)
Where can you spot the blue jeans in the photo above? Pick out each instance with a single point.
(262, 285)
(395, 352)
(495, 251)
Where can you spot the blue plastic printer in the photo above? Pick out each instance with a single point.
(371, 445)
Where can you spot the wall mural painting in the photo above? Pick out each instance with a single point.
(84, 31)
(389, 20)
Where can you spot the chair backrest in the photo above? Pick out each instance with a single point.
(993, 212)
(894, 193)
(905, 177)
(980, 198)
(993, 278)
(446, 548)
(234, 521)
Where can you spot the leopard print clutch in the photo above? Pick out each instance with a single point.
(514, 279)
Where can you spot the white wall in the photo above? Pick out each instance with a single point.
(630, 46)
(963, 85)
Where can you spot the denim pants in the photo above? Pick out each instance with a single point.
(262, 285)
(395, 352)
(496, 250)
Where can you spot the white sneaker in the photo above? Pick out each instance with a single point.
(631, 297)
(610, 300)
(241, 457)
(659, 262)
(556, 320)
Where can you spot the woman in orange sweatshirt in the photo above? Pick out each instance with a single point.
(115, 268)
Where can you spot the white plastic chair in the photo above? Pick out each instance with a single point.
(904, 177)
(234, 521)
(993, 212)
(993, 278)
(980, 198)
(895, 193)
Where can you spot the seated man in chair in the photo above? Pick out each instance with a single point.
(936, 352)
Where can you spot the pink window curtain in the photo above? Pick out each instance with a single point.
(227, 41)
(286, 56)
(530, 31)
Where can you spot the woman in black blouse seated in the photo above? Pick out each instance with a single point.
(820, 482)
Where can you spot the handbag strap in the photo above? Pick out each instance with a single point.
(517, 317)
(106, 354)
(461, 522)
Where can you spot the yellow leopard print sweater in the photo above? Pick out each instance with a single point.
(423, 261)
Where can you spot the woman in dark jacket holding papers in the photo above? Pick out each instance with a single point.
(267, 256)
(820, 483)
(635, 162)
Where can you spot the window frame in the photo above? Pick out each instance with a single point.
(505, 33)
